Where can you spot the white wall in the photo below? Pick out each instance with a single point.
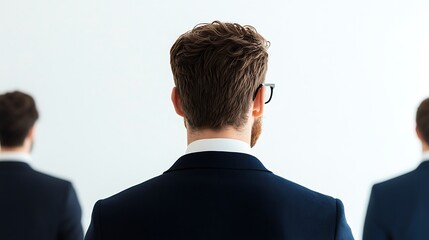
(349, 76)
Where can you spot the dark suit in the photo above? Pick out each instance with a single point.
(35, 206)
(399, 207)
(218, 195)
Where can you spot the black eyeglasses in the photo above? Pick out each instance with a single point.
(269, 95)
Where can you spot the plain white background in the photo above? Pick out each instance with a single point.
(349, 76)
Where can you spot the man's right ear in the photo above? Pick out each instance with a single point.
(175, 98)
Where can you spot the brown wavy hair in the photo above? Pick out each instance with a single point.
(18, 114)
(422, 120)
(217, 68)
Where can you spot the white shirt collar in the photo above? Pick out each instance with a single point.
(219, 145)
(425, 156)
(15, 156)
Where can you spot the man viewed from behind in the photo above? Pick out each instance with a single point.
(33, 205)
(218, 189)
(399, 208)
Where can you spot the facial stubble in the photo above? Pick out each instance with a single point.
(256, 131)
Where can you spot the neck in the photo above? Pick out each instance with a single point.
(425, 147)
(229, 132)
(20, 149)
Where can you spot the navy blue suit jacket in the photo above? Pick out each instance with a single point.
(37, 206)
(399, 207)
(218, 195)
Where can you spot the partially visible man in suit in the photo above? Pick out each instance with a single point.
(399, 208)
(218, 189)
(33, 205)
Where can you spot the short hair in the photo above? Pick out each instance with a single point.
(217, 67)
(422, 120)
(18, 114)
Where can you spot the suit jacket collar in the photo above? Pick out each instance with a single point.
(217, 160)
(424, 165)
(14, 165)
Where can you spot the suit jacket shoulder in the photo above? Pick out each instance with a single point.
(45, 206)
(398, 207)
(217, 195)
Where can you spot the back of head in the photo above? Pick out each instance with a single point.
(18, 114)
(217, 67)
(422, 120)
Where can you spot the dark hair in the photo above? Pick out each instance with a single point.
(422, 119)
(18, 114)
(216, 69)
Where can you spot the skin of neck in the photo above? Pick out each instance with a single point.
(25, 148)
(242, 134)
(425, 147)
